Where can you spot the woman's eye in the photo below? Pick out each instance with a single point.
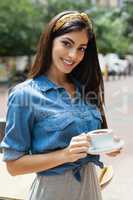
(66, 44)
(82, 49)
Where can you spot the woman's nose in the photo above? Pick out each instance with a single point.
(73, 54)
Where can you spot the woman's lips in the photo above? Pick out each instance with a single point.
(68, 63)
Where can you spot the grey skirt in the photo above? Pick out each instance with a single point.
(65, 186)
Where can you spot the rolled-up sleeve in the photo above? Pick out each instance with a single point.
(19, 122)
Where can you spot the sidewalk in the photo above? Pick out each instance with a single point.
(119, 101)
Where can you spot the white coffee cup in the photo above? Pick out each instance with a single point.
(101, 138)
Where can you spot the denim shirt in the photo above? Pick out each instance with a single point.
(42, 117)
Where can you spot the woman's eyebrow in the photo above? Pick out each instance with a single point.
(69, 39)
(85, 44)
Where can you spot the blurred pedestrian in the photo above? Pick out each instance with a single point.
(49, 114)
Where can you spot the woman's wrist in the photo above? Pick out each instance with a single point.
(64, 156)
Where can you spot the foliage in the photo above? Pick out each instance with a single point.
(21, 23)
(127, 11)
(54, 7)
(20, 26)
(110, 28)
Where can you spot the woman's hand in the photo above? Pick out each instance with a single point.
(116, 152)
(77, 148)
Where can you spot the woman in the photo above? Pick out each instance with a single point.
(49, 114)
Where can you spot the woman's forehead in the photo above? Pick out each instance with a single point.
(80, 36)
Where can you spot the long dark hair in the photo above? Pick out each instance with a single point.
(87, 72)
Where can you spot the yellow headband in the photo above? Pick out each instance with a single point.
(69, 17)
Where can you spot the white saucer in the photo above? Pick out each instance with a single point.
(108, 149)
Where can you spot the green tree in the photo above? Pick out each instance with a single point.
(127, 11)
(20, 27)
(54, 7)
(21, 23)
(109, 27)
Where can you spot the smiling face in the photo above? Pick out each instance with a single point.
(68, 51)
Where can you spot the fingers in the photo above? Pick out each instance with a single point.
(80, 143)
(81, 137)
(78, 147)
(115, 153)
(78, 150)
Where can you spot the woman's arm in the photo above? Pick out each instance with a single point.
(76, 150)
(35, 163)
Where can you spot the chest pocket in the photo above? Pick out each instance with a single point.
(56, 122)
(92, 119)
(90, 115)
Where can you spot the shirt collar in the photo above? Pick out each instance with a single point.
(44, 84)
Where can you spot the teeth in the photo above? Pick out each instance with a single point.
(68, 62)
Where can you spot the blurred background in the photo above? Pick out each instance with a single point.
(21, 23)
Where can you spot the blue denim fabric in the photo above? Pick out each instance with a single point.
(42, 117)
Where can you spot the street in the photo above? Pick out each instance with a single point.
(119, 110)
(119, 107)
